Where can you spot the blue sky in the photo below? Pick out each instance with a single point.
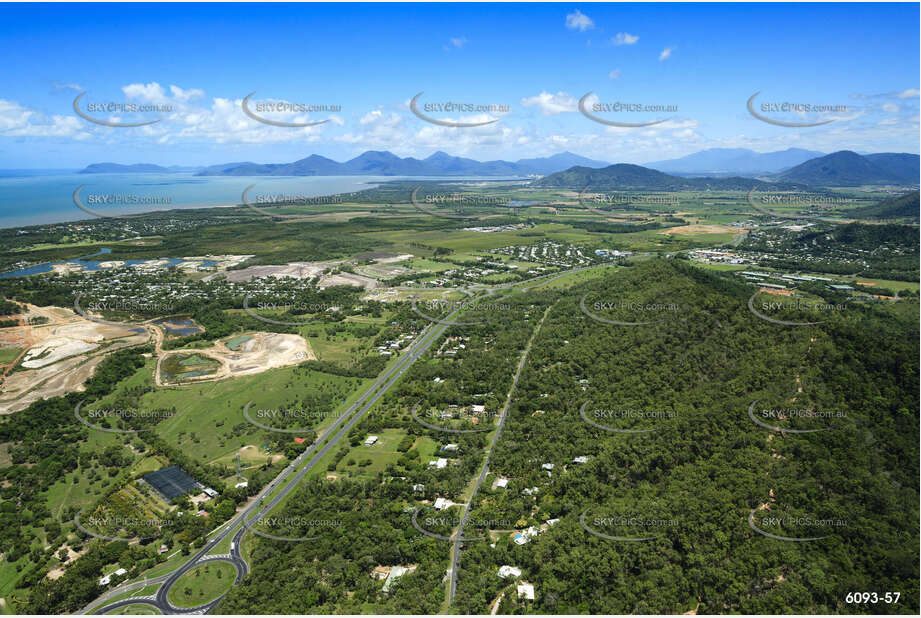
(371, 59)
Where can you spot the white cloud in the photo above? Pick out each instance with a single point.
(911, 93)
(184, 96)
(666, 54)
(614, 74)
(458, 41)
(625, 38)
(579, 21)
(19, 121)
(149, 93)
(551, 104)
(892, 108)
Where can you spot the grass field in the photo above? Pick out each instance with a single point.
(202, 584)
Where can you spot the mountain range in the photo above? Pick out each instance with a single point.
(839, 169)
(372, 162)
(734, 161)
(848, 169)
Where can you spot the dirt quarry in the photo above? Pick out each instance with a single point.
(60, 354)
(249, 354)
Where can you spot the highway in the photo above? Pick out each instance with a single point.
(257, 509)
(297, 470)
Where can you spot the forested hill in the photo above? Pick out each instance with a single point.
(624, 176)
(687, 361)
(705, 466)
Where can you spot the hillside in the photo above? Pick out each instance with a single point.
(624, 176)
(848, 169)
(734, 161)
(892, 208)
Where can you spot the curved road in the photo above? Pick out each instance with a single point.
(312, 455)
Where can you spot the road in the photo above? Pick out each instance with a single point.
(239, 524)
(311, 455)
(455, 554)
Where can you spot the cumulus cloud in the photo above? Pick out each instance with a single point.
(551, 104)
(624, 38)
(666, 53)
(578, 20)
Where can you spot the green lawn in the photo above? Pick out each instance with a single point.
(202, 584)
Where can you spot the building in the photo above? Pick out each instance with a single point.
(502, 483)
(478, 408)
(370, 440)
(526, 591)
(439, 463)
(441, 504)
(506, 571)
(419, 487)
(580, 460)
(105, 581)
(451, 448)
(547, 466)
(171, 482)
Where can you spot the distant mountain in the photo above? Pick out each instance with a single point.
(383, 163)
(848, 169)
(626, 177)
(734, 161)
(903, 206)
(117, 168)
(557, 163)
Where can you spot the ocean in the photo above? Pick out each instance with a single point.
(30, 197)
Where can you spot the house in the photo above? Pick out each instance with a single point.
(502, 483)
(441, 504)
(506, 571)
(439, 463)
(380, 572)
(580, 460)
(523, 537)
(395, 573)
(547, 466)
(529, 491)
(419, 487)
(105, 581)
(451, 448)
(438, 380)
(553, 521)
(526, 591)
(370, 440)
(163, 549)
(478, 408)
(211, 493)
